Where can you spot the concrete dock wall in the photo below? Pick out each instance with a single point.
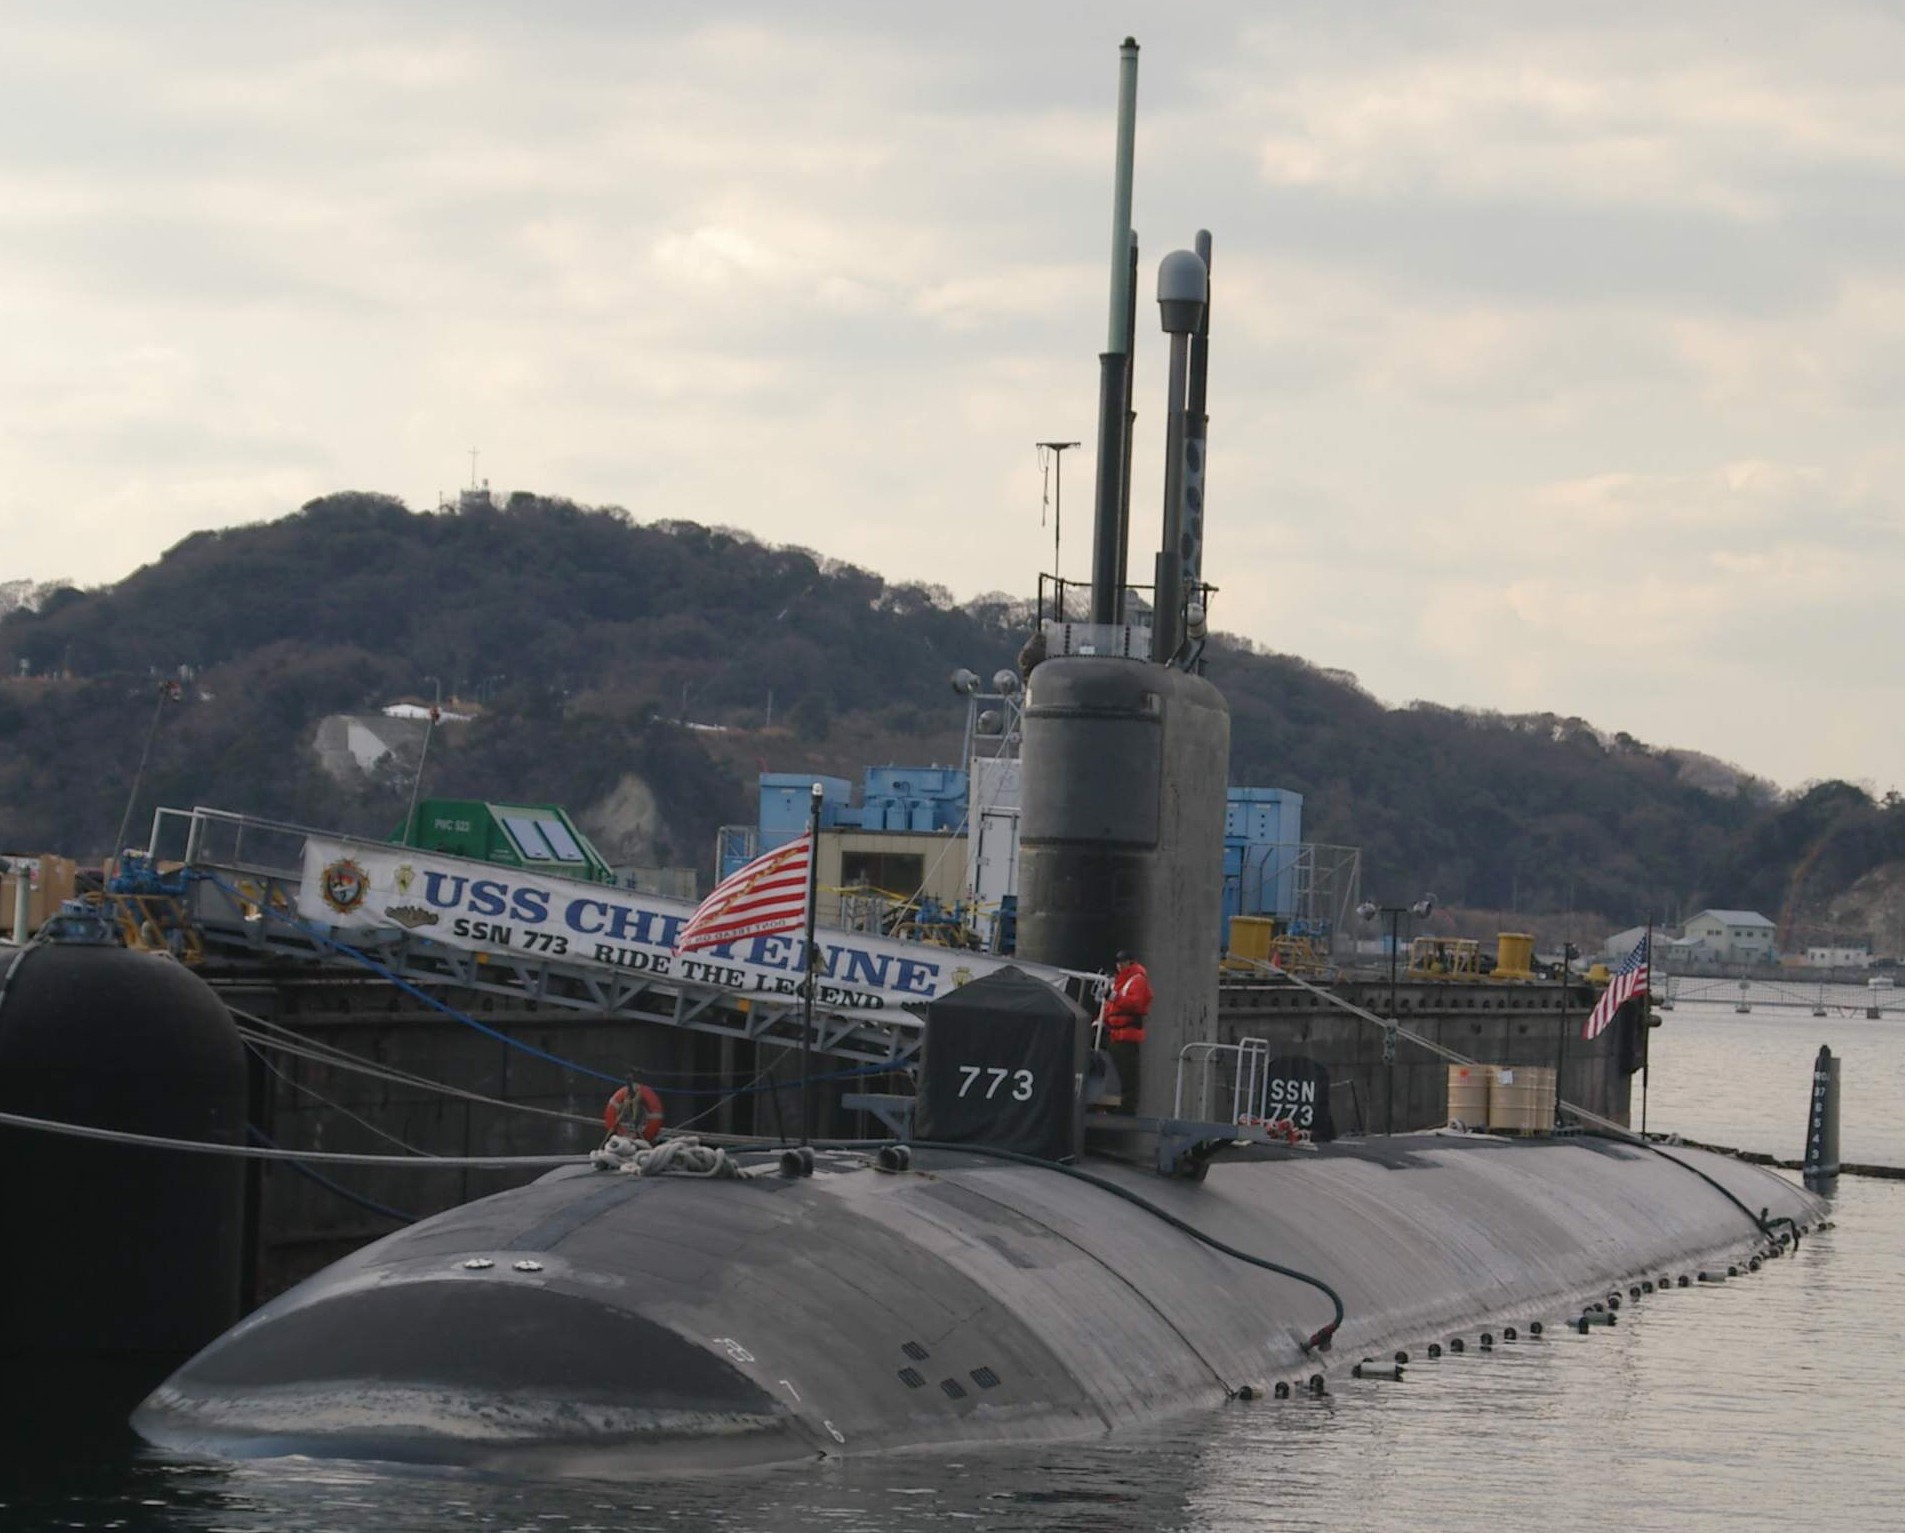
(1494, 1024)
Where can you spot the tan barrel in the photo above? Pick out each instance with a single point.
(1468, 1095)
(1521, 1099)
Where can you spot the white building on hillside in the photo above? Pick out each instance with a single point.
(1847, 956)
(1731, 936)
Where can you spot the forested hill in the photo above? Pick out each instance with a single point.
(594, 638)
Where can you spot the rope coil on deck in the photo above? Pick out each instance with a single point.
(686, 1156)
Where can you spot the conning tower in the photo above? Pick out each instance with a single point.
(1126, 748)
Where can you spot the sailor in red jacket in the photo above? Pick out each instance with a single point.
(1126, 1007)
(1129, 1002)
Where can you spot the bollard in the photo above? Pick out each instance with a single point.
(1821, 1165)
(22, 911)
(1369, 1368)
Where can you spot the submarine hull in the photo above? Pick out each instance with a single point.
(601, 1324)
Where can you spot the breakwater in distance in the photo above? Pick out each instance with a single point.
(1794, 989)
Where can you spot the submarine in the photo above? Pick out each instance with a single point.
(606, 1325)
(1017, 1264)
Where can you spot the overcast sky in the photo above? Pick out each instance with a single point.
(1557, 364)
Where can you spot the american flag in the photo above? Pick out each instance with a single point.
(768, 895)
(1629, 980)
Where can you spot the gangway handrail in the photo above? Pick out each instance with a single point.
(201, 815)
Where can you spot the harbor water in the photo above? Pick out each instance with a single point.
(1780, 1395)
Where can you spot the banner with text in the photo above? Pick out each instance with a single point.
(483, 907)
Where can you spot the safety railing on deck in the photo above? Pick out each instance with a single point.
(1245, 1063)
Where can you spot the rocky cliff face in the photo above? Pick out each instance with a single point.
(1873, 908)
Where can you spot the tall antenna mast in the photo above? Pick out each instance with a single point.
(1057, 450)
(1114, 363)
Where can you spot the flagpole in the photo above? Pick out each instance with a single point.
(1561, 1052)
(1646, 1026)
(811, 951)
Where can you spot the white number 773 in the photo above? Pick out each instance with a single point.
(1022, 1081)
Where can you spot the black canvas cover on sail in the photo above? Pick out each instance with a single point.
(1003, 1064)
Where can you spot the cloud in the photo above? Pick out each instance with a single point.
(1557, 358)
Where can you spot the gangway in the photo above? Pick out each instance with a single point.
(249, 903)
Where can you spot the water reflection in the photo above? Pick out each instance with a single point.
(1741, 1080)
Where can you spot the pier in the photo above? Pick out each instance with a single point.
(373, 1041)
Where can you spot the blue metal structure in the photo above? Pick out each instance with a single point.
(784, 806)
(1263, 827)
(892, 798)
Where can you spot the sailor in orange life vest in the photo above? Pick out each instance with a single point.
(1125, 1009)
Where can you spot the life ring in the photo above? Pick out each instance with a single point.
(648, 1118)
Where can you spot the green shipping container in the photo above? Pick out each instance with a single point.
(539, 837)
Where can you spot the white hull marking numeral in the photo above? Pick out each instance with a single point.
(1022, 1081)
